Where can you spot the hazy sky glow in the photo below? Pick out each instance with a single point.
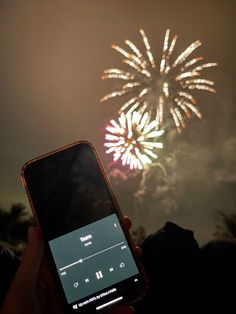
(52, 55)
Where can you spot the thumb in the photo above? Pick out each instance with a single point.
(20, 296)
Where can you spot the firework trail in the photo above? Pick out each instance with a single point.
(162, 90)
(133, 139)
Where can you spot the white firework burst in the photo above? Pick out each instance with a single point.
(133, 139)
(164, 90)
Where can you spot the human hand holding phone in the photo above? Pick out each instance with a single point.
(90, 252)
(33, 290)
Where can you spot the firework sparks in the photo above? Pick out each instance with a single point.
(164, 92)
(133, 139)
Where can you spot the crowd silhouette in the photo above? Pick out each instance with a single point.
(183, 276)
(186, 278)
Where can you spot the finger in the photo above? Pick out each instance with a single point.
(31, 260)
(49, 289)
(138, 251)
(23, 287)
(127, 222)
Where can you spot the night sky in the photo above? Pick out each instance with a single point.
(52, 54)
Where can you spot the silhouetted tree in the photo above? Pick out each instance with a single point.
(226, 226)
(14, 225)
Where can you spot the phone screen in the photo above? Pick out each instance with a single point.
(80, 221)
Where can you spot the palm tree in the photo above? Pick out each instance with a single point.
(13, 226)
(226, 226)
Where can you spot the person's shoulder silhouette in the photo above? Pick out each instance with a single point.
(169, 258)
(218, 276)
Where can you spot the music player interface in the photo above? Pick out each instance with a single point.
(92, 258)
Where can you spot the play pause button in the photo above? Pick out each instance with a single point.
(99, 274)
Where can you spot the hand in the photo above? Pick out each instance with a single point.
(33, 289)
(22, 296)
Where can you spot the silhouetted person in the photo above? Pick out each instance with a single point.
(217, 280)
(185, 278)
(169, 257)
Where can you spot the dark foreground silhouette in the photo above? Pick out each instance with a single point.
(183, 277)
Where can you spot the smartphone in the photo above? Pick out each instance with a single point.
(91, 253)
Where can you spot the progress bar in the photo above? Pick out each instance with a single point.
(83, 259)
(108, 303)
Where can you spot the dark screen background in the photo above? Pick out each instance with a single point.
(68, 190)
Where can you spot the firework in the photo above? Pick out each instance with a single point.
(133, 139)
(164, 90)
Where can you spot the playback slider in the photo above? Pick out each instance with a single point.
(85, 258)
